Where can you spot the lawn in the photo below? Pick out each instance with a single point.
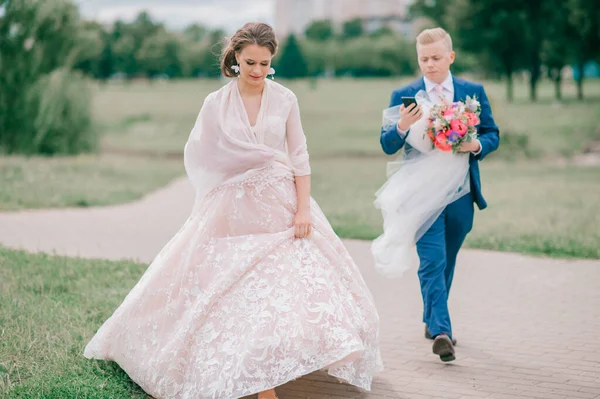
(539, 202)
(50, 307)
(81, 181)
(342, 116)
(534, 207)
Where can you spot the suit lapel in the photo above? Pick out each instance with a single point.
(459, 89)
(419, 85)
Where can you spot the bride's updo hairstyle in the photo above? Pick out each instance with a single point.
(257, 33)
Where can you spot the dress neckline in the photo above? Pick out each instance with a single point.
(260, 111)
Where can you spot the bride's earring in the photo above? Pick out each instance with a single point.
(236, 68)
(272, 73)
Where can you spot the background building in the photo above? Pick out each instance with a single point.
(292, 16)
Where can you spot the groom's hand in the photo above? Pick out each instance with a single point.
(470, 146)
(409, 115)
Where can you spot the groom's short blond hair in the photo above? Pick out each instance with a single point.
(434, 35)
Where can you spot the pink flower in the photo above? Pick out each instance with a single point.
(458, 127)
(448, 112)
(473, 120)
(441, 142)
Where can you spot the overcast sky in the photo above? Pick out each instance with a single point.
(227, 14)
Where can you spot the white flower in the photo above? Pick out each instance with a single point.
(28, 45)
(14, 30)
(438, 125)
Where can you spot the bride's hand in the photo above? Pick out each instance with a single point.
(302, 223)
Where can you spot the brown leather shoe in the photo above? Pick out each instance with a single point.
(442, 346)
(428, 336)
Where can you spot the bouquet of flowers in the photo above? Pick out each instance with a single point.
(450, 124)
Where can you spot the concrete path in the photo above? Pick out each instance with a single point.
(527, 327)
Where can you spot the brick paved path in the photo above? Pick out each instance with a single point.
(527, 327)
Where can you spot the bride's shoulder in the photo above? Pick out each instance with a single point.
(281, 91)
(218, 94)
(215, 97)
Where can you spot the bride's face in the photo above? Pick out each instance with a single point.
(435, 60)
(254, 62)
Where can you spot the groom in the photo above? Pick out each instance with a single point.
(439, 246)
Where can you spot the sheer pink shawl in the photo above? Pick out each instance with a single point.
(223, 147)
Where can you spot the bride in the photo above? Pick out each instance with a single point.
(255, 290)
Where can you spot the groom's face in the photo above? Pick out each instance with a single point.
(435, 60)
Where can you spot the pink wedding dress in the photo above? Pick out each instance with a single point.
(234, 304)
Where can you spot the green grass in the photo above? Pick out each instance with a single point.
(145, 128)
(50, 308)
(149, 118)
(344, 116)
(540, 208)
(87, 180)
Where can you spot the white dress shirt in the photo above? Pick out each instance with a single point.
(447, 89)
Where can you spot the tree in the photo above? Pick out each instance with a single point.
(320, 56)
(195, 32)
(90, 51)
(143, 26)
(44, 107)
(212, 53)
(151, 55)
(557, 46)
(584, 15)
(436, 10)
(382, 56)
(319, 30)
(162, 53)
(129, 39)
(352, 28)
(495, 31)
(193, 55)
(124, 51)
(106, 63)
(538, 14)
(383, 31)
(292, 63)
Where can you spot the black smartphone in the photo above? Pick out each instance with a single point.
(407, 101)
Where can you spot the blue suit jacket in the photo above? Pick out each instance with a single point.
(391, 142)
